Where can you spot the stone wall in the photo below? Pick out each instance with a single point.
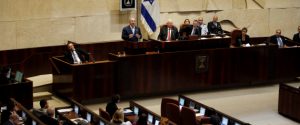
(37, 23)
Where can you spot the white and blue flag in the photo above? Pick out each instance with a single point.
(150, 14)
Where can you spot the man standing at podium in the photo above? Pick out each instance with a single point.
(214, 27)
(76, 55)
(131, 33)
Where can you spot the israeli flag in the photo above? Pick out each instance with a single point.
(150, 15)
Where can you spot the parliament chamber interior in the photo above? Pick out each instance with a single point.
(149, 62)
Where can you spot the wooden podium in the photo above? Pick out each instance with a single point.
(82, 81)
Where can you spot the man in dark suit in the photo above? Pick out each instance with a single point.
(278, 39)
(196, 30)
(214, 27)
(75, 55)
(48, 118)
(111, 106)
(13, 120)
(168, 32)
(131, 32)
(296, 37)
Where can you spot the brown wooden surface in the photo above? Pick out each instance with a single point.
(35, 61)
(83, 81)
(289, 101)
(173, 70)
(95, 119)
(21, 92)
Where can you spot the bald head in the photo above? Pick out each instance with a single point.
(215, 18)
(169, 23)
(278, 32)
(132, 22)
(200, 20)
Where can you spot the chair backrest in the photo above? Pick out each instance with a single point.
(173, 113)
(164, 102)
(187, 116)
(234, 34)
(104, 114)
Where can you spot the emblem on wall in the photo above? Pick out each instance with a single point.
(126, 5)
(201, 64)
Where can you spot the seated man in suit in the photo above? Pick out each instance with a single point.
(131, 32)
(203, 26)
(296, 37)
(214, 27)
(168, 32)
(75, 55)
(196, 30)
(13, 119)
(278, 39)
(48, 118)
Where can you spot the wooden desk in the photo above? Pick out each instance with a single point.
(82, 114)
(131, 117)
(173, 72)
(22, 92)
(30, 118)
(83, 81)
(289, 101)
(208, 110)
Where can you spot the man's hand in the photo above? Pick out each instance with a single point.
(138, 36)
(130, 35)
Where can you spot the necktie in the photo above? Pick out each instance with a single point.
(76, 57)
(169, 34)
(193, 31)
(279, 40)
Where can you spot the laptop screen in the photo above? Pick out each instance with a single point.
(237, 123)
(101, 123)
(181, 101)
(135, 110)
(156, 122)
(19, 76)
(150, 118)
(76, 109)
(202, 111)
(89, 117)
(3, 108)
(33, 122)
(192, 105)
(224, 121)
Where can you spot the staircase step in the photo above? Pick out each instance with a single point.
(42, 95)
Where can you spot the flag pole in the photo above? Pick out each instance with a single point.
(137, 12)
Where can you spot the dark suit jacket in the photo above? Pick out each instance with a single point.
(7, 123)
(127, 31)
(83, 56)
(273, 39)
(197, 31)
(296, 38)
(239, 40)
(48, 120)
(111, 108)
(212, 28)
(163, 34)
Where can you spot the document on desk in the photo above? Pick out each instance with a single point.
(126, 111)
(65, 110)
(77, 120)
